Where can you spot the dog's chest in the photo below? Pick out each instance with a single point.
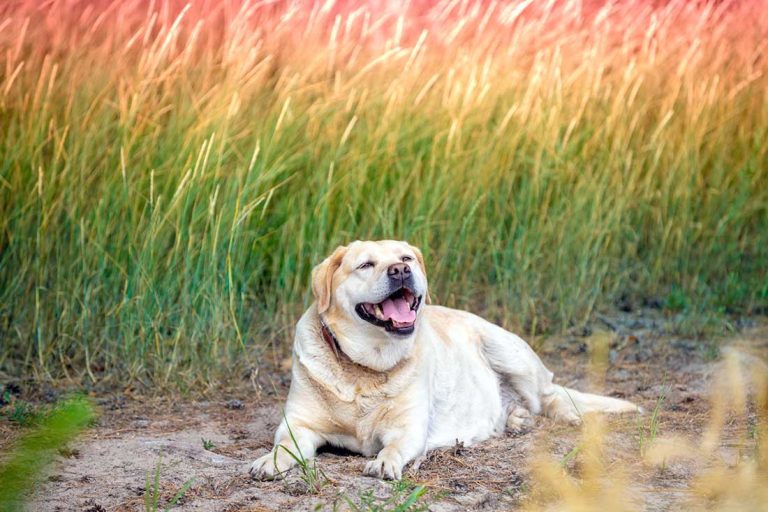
(357, 424)
(376, 405)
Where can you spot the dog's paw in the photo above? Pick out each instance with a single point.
(519, 420)
(264, 468)
(388, 465)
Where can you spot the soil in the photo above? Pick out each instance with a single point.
(107, 469)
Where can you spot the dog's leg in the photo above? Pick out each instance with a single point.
(302, 446)
(515, 360)
(404, 439)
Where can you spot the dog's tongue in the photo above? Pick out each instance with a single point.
(398, 310)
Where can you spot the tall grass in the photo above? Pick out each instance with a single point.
(170, 172)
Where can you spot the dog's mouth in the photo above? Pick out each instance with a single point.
(396, 313)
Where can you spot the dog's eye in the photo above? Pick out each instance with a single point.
(367, 264)
(406, 258)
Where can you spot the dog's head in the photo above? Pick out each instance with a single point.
(375, 289)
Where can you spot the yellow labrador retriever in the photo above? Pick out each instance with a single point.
(379, 371)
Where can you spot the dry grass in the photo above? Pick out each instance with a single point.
(731, 471)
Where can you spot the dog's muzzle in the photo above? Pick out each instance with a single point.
(396, 313)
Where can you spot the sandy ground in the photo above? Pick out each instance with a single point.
(107, 469)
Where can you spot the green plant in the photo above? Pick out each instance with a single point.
(152, 490)
(646, 434)
(207, 444)
(676, 300)
(20, 412)
(405, 497)
(570, 455)
(35, 448)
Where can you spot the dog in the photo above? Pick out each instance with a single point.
(380, 371)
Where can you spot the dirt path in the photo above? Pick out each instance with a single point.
(107, 469)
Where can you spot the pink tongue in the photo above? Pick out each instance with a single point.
(398, 310)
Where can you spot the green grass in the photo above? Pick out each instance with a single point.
(312, 476)
(405, 497)
(647, 433)
(21, 469)
(152, 493)
(18, 411)
(568, 457)
(167, 184)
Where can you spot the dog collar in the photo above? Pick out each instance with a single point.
(330, 338)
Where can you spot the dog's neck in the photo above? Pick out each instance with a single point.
(330, 338)
(357, 353)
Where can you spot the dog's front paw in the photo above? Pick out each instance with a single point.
(388, 465)
(268, 468)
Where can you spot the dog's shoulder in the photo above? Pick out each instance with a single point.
(314, 364)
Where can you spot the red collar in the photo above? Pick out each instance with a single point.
(330, 339)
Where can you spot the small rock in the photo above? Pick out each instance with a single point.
(140, 422)
(458, 486)
(621, 374)
(235, 404)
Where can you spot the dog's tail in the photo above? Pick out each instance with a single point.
(570, 404)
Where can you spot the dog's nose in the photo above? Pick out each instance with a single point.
(399, 271)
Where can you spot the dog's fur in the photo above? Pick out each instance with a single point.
(395, 395)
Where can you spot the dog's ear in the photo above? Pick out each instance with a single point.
(322, 278)
(420, 260)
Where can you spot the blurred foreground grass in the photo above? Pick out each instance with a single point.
(726, 465)
(22, 466)
(171, 172)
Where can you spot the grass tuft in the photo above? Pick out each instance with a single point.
(152, 493)
(405, 497)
